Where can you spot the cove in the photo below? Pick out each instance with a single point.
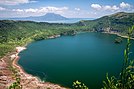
(86, 57)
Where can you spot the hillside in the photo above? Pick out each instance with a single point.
(14, 33)
(18, 33)
(118, 22)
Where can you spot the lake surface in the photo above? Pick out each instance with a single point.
(70, 20)
(86, 57)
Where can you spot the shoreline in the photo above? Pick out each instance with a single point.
(35, 79)
(35, 82)
(115, 33)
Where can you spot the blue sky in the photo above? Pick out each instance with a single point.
(67, 8)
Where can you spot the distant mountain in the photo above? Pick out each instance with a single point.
(46, 17)
(50, 18)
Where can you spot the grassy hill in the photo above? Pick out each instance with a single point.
(118, 22)
(14, 33)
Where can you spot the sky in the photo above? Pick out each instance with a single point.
(67, 8)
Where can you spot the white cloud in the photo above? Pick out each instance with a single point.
(47, 9)
(2, 9)
(77, 9)
(37, 11)
(102, 10)
(115, 7)
(15, 2)
(122, 6)
(18, 10)
(107, 7)
(112, 8)
(31, 10)
(42, 10)
(96, 6)
(51, 9)
(125, 5)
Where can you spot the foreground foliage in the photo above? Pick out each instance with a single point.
(126, 77)
(79, 85)
(16, 75)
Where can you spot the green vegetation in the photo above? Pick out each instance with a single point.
(79, 85)
(126, 77)
(14, 33)
(17, 33)
(118, 22)
(16, 84)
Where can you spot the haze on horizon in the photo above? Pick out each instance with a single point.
(66, 8)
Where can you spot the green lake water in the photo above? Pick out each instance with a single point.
(86, 57)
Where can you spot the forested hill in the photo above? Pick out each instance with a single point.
(13, 33)
(119, 22)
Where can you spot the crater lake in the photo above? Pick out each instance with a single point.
(85, 57)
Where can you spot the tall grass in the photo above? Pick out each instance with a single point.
(126, 77)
